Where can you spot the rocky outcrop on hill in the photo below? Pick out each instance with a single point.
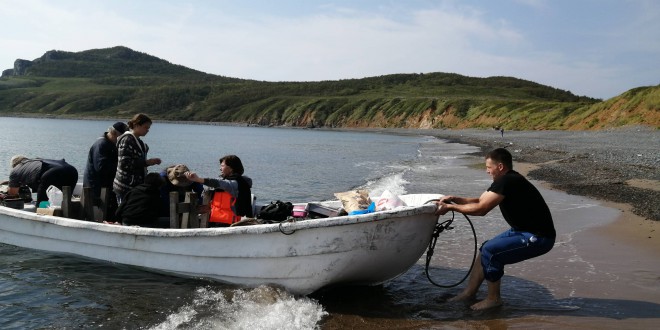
(20, 68)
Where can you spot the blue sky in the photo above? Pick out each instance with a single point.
(597, 48)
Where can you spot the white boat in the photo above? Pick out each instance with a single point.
(302, 256)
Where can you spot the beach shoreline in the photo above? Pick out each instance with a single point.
(602, 165)
(562, 164)
(620, 286)
(618, 165)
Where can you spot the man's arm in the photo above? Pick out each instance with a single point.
(458, 200)
(470, 206)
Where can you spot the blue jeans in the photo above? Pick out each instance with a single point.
(511, 247)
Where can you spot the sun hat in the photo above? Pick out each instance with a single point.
(176, 175)
(16, 159)
(120, 127)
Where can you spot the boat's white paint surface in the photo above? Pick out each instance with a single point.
(364, 249)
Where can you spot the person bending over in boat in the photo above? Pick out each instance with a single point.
(532, 231)
(132, 156)
(39, 174)
(232, 197)
(102, 166)
(141, 206)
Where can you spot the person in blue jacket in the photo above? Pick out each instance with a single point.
(102, 166)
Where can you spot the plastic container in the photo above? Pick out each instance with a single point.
(300, 211)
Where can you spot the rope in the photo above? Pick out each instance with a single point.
(289, 219)
(439, 228)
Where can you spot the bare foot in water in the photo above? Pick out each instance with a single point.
(461, 297)
(486, 304)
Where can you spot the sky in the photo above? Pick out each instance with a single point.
(595, 48)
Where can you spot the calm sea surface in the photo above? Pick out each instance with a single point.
(40, 290)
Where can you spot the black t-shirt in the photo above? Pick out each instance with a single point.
(523, 207)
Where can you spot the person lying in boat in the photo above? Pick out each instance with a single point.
(141, 205)
(532, 231)
(39, 174)
(176, 180)
(232, 197)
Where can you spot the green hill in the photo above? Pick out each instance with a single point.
(118, 82)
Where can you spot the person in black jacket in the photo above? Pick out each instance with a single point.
(102, 166)
(141, 206)
(39, 174)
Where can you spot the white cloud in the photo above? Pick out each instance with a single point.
(348, 40)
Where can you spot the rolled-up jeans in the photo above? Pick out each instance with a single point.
(511, 247)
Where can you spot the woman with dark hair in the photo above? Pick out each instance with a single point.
(132, 156)
(232, 197)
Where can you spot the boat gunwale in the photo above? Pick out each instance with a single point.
(285, 227)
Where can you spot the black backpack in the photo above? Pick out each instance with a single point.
(276, 211)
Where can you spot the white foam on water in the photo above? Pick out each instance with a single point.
(395, 183)
(261, 308)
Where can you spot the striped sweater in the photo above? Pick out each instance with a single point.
(132, 163)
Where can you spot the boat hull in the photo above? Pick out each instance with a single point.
(302, 256)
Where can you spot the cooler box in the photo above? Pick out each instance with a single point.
(316, 210)
(56, 211)
(299, 211)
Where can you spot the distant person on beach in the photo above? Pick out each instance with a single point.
(502, 131)
(141, 205)
(102, 165)
(232, 197)
(532, 231)
(39, 174)
(132, 156)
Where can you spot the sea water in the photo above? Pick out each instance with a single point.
(44, 290)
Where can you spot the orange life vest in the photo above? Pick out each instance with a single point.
(221, 208)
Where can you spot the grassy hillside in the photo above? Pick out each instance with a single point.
(637, 106)
(118, 82)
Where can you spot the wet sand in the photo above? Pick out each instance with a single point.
(608, 273)
(602, 274)
(623, 282)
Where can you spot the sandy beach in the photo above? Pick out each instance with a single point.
(618, 273)
(618, 167)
